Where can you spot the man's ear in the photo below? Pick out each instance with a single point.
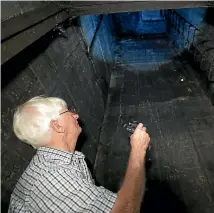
(54, 124)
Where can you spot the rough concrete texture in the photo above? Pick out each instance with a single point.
(170, 102)
(53, 66)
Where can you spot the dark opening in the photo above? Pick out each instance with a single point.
(155, 67)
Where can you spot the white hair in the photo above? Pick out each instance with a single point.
(31, 122)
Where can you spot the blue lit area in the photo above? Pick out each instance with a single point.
(141, 32)
(139, 23)
(98, 31)
(195, 16)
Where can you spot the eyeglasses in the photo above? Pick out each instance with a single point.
(73, 111)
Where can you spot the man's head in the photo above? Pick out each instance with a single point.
(46, 121)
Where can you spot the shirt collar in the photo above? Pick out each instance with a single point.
(56, 154)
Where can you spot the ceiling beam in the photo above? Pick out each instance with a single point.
(22, 22)
(105, 7)
(18, 42)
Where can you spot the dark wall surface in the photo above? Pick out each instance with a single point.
(54, 66)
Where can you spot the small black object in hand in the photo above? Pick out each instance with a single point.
(131, 126)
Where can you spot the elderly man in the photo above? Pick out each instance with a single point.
(57, 179)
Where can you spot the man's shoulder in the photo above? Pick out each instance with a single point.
(49, 169)
(54, 170)
(59, 178)
(40, 170)
(44, 185)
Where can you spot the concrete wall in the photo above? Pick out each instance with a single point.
(138, 23)
(54, 66)
(104, 44)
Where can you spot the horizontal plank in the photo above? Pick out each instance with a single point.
(9, 9)
(23, 21)
(105, 7)
(17, 43)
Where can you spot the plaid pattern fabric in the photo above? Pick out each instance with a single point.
(57, 181)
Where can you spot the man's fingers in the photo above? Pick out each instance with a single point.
(144, 129)
(139, 126)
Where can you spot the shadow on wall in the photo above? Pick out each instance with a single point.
(209, 16)
(160, 198)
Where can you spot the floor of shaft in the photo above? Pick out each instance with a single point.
(162, 92)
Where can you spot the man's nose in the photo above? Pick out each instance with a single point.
(76, 116)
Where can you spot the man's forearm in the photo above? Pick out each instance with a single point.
(132, 190)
